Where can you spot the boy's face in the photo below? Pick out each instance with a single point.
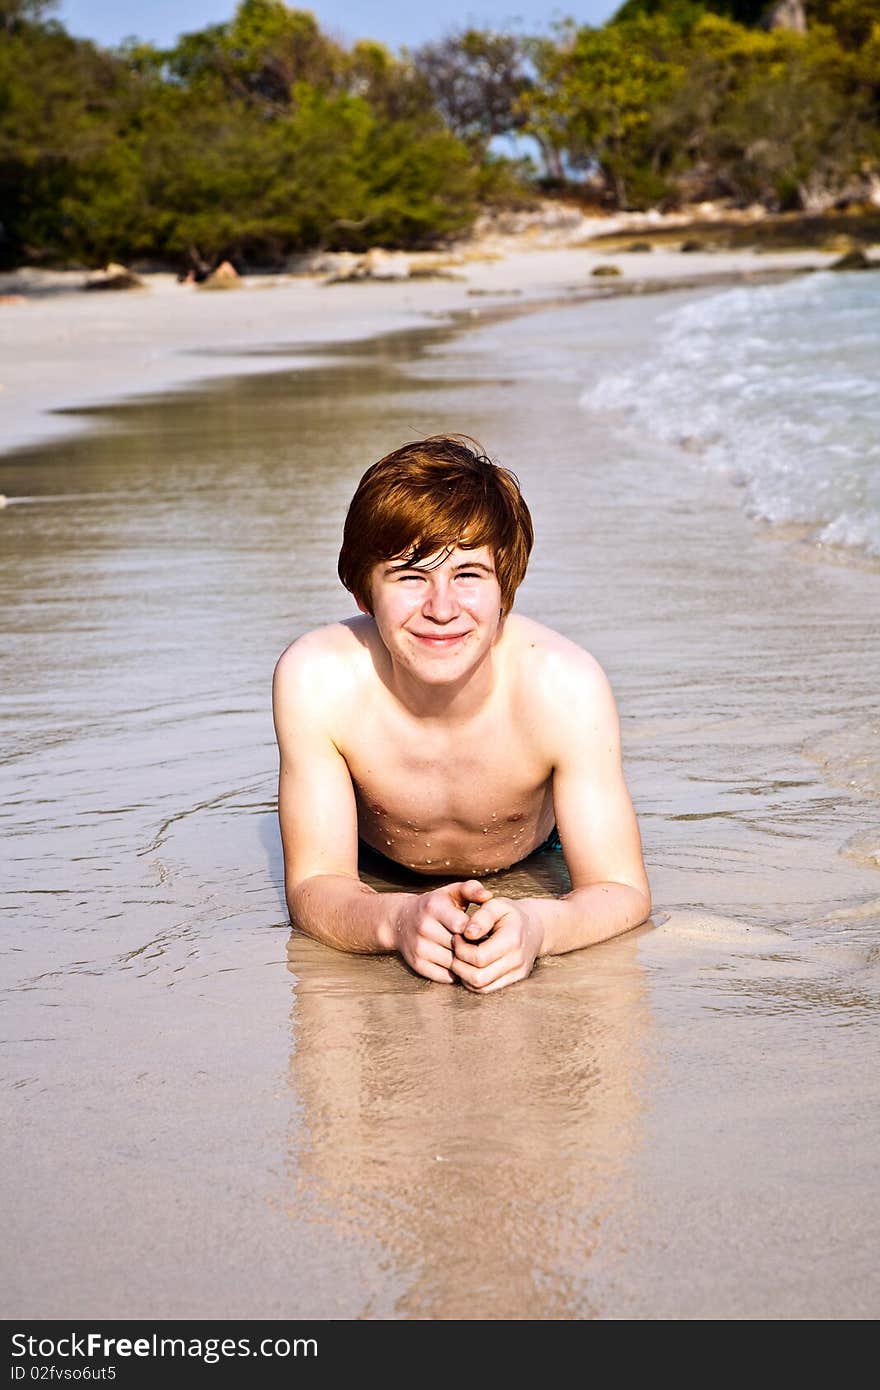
(437, 618)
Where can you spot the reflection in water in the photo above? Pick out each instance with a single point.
(481, 1141)
(698, 1097)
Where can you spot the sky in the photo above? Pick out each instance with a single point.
(395, 22)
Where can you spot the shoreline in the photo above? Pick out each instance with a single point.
(665, 1077)
(65, 352)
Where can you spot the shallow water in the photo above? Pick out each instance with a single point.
(213, 1117)
(778, 386)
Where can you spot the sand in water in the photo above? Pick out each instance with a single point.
(208, 1116)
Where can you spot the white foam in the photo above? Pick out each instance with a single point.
(779, 386)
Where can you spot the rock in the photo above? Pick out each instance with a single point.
(377, 264)
(114, 277)
(854, 260)
(225, 277)
(385, 265)
(638, 246)
(787, 14)
(428, 272)
(692, 244)
(840, 244)
(607, 270)
(343, 266)
(344, 277)
(436, 260)
(310, 263)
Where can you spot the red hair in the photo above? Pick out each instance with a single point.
(432, 495)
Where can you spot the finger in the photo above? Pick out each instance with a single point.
(430, 971)
(476, 931)
(509, 979)
(482, 953)
(479, 977)
(476, 939)
(486, 919)
(475, 891)
(471, 891)
(430, 929)
(430, 952)
(467, 973)
(448, 918)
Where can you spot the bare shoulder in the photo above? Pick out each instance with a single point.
(552, 665)
(561, 683)
(322, 668)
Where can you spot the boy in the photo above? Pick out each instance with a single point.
(451, 736)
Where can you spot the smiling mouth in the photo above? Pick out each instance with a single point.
(433, 639)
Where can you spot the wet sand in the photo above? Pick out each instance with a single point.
(207, 1115)
(62, 349)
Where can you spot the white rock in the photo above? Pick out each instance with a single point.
(386, 265)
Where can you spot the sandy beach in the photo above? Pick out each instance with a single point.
(208, 1115)
(62, 350)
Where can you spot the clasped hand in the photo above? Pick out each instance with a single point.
(495, 946)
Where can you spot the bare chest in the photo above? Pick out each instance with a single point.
(456, 803)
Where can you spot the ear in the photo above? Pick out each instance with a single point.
(363, 607)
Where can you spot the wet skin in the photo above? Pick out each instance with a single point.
(449, 735)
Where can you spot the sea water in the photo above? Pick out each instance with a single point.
(213, 1116)
(778, 386)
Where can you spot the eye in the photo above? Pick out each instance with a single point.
(470, 574)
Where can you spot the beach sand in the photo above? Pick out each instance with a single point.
(62, 349)
(211, 1116)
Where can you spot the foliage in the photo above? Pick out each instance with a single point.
(263, 136)
(677, 101)
(596, 95)
(260, 55)
(248, 140)
(476, 79)
(683, 14)
(851, 20)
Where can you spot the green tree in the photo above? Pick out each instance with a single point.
(851, 20)
(780, 117)
(596, 96)
(260, 55)
(684, 14)
(16, 13)
(250, 139)
(58, 96)
(477, 79)
(394, 87)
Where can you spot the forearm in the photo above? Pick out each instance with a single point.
(587, 915)
(345, 913)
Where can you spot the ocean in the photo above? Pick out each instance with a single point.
(210, 1115)
(777, 387)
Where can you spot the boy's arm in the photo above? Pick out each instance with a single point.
(596, 821)
(317, 813)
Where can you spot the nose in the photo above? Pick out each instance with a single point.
(441, 604)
